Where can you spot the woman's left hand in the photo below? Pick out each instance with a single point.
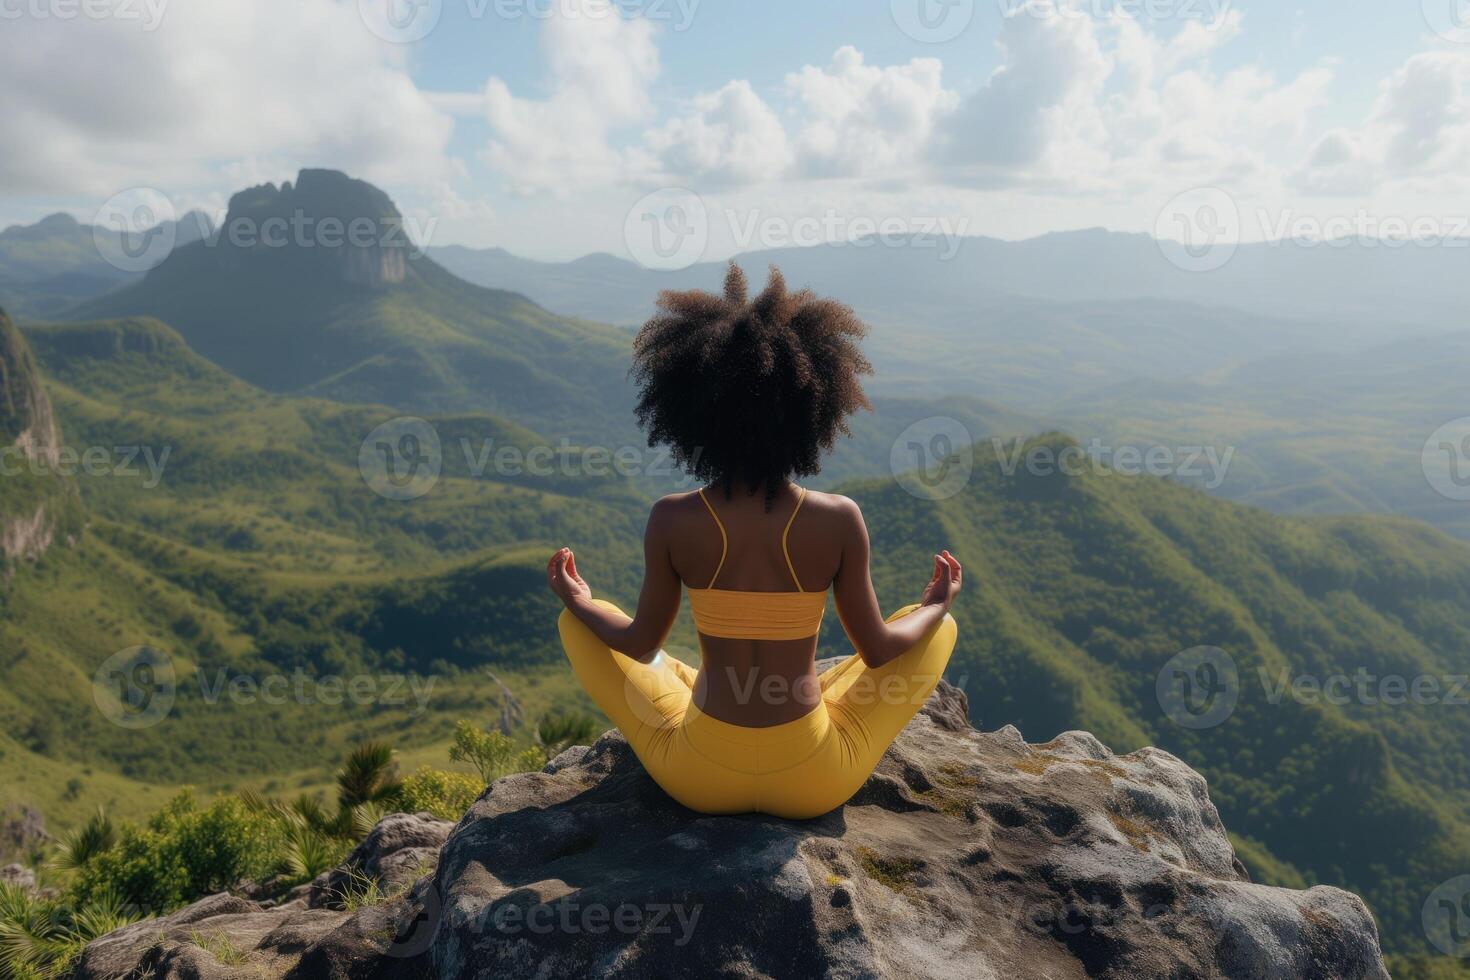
(562, 577)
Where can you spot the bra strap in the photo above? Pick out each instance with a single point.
(724, 541)
(790, 567)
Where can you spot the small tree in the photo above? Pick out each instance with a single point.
(491, 753)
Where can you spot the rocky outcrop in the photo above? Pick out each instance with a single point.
(29, 452)
(326, 222)
(26, 419)
(965, 855)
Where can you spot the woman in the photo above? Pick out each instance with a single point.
(748, 396)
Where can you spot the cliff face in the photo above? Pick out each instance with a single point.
(29, 447)
(326, 222)
(966, 855)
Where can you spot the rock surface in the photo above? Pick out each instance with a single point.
(965, 855)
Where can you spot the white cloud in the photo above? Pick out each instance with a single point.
(728, 137)
(854, 118)
(1417, 131)
(600, 67)
(92, 106)
(1051, 70)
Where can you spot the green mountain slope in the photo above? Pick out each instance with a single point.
(1081, 589)
(258, 550)
(287, 298)
(261, 551)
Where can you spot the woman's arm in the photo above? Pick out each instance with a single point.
(658, 603)
(878, 642)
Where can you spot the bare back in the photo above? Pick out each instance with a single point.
(757, 683)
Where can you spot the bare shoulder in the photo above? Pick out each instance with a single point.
(670, 510)
(836, 512)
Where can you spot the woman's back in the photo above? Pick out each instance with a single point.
(748, 681)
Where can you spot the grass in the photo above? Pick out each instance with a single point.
(218, 945)
(895, 874)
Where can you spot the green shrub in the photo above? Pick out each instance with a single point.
(447, 795)
(183, 853)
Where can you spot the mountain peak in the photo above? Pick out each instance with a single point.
(60, 221)
(353, 226)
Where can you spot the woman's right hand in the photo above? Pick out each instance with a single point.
(944, 585)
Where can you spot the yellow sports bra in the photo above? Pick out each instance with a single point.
(756, 615)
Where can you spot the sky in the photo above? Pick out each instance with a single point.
(557, 128)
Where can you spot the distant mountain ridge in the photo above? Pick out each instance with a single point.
(1351, 282)
(55, 263)
(286, 299)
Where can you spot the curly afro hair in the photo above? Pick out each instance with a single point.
(749, 392)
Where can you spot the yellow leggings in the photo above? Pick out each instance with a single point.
(799, 769)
